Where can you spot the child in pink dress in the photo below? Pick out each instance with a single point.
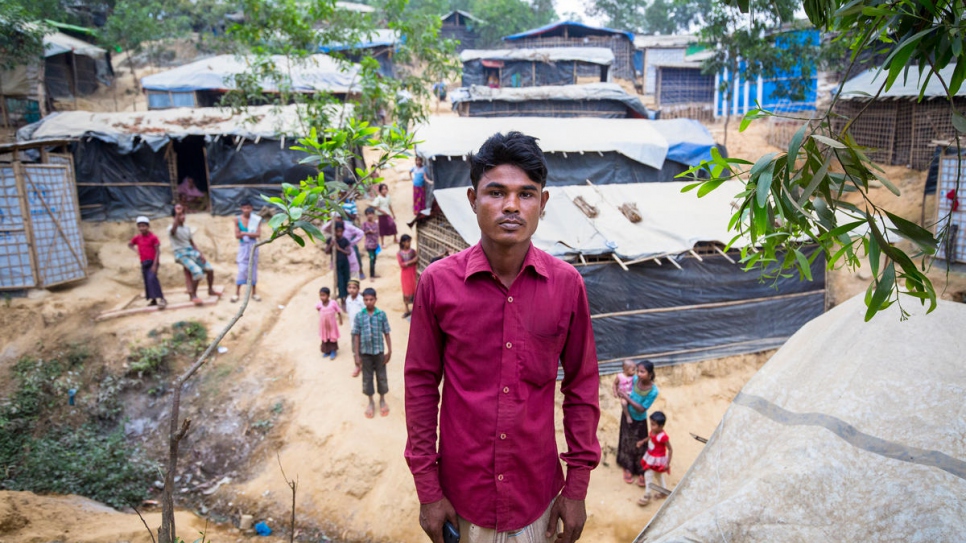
(657, 459)
(624, 382)
(329, 311)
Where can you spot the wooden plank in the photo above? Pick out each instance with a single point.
(210, 300)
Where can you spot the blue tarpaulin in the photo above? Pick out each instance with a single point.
(688, 141)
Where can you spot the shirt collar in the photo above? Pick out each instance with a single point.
(476, 262)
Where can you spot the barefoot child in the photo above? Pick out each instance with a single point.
(387, 217)
(147, 246)
(418, 176)
(407, 258)
(340, 244)
(353, 305)
(369, 331)
(623, 383)
(657, 459)
(328, 329)
(370, 229)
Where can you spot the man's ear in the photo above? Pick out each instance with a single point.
(471, 196)
(544, 196)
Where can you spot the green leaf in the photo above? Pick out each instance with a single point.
(829, 141)
(874, 252)
(914, 233)
(296, 213)
(761, 164)
(795, 145)
(691, 186)
(764, 185)
(817, 178)
(882, 291)
(750, 116)
(298, 239)
(276, 220)
(803, 264)
(959, 122)
(310, 229)
(709, 186)
(888, 184)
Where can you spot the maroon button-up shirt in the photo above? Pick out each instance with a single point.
(497, 352)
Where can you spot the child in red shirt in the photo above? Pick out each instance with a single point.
(147, 246)
(657, 459)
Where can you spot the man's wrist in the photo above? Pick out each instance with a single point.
(578, 480)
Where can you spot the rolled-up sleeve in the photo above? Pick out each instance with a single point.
(423, 373)
(581, 408)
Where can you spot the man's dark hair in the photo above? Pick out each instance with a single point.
(513, 148)
(369, 292)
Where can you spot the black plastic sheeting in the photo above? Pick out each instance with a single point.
(707, 309)
(525, 73)
(260, 168)
(115, 186)
(610, 169)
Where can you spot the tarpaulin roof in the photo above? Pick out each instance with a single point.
(59, 43)
(865, 85)
(382, 37)
(593, 55)
(648, 142)
(463, 14)
(683, 40)
(574, 30)
(672, 221)
(459, 136)
(316, 73)
(157, 127)
(853, 431)
(590, 91)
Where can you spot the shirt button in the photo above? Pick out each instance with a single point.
(502, 436)
(510, 299)
(509, 345)
(506, 390)
(499, 477)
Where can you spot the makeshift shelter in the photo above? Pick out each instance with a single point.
(535, 67)
(896, 126)
(130, 164)
(682, 90)
(603, 100)
(70, 68)
(771, 93)
(202, 83)
(659, 284)
(461, 26)
(41, 244)
(853, 431)
(379, 44)
(951, 173)
(652, 51)
(603, 151)
(573, 34)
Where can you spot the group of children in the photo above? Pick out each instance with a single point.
(635, 388)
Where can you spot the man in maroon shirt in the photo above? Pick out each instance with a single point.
(497, 320)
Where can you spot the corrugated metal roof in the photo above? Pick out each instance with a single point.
(580, 28)
(865, 85)
(644, 42)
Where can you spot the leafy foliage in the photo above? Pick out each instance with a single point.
(505, 17)
(663, 17)
(59, 457)
(187, 339)
(21, 39)
(799, 196)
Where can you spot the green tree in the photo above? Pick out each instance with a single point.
(621, 14)
(797, 197)
(747, 43)
(505, 17)
(132, 24)
(21, 39)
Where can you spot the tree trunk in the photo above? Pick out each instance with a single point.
(137, 84)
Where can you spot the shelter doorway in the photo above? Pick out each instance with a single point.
(192, 173)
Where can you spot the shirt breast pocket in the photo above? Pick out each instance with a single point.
(542, 357)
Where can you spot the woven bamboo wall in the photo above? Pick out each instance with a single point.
(435, 236)
(623, 49)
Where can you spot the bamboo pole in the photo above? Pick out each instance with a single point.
(711, 305)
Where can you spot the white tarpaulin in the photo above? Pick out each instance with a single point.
(865, 85)
(157, 127)
(852, 431)
(593, 55)
(316, 73)
(59, 43)
(460, 136)
(672, 221)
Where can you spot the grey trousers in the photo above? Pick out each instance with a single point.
(374, 364)
(534, 533)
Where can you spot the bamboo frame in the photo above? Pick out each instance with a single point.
(711, 305)
(27, 223)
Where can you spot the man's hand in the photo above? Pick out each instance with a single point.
(433, 515)
(573, 513)
(388, 356)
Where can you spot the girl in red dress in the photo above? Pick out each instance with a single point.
(407, 258)
(657, 459)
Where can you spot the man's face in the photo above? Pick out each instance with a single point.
(370, 302)
(246, 210)
(143, 228)
(507, 204)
